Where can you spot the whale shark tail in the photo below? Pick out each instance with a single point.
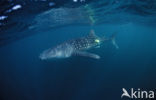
(112, 38)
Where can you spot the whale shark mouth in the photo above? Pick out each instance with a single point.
(61, 51)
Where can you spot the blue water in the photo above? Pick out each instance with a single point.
(23, 76)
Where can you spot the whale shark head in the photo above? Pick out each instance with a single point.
(61, 51)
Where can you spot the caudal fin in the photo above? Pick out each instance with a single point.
(113, 41)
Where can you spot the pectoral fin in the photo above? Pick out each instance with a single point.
(87, 54)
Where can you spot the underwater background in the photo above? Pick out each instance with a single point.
(28, 27)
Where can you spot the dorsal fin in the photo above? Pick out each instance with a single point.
(92, 33)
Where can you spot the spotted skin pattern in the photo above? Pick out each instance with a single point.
(75, 47)
(84, 43)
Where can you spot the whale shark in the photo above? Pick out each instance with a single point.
(77, 47)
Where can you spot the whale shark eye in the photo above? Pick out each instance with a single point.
(97, 40)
